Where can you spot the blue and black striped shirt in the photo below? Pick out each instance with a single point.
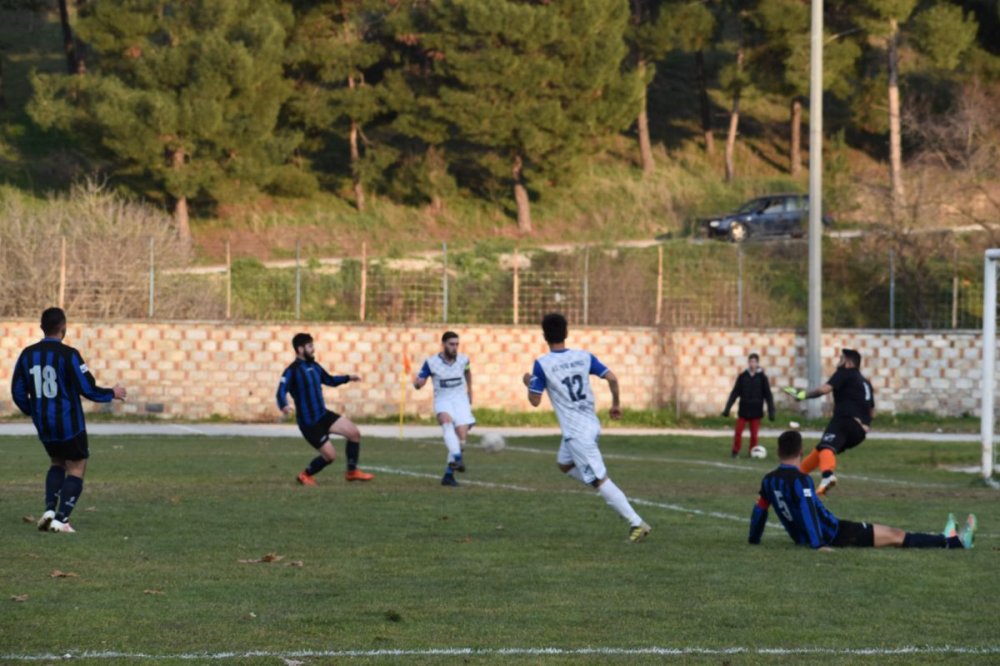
(49, 379)
(802, 514)
(305, 380)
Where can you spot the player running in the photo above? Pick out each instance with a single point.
(452, 400)
(853, 411)
(808, 522)
(49, 379)
(565, 374)
(304, 379)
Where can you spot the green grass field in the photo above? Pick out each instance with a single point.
(518, 557)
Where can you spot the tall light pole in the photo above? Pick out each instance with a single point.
(814, 344)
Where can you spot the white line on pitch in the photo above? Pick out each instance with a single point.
(519, 651)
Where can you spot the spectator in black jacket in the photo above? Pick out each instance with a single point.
(752, 389)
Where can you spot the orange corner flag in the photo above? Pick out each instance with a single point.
(406, 363)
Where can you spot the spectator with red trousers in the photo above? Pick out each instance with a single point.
(752, 389)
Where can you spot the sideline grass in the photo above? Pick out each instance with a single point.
(402, 563)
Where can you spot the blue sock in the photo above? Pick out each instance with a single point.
(72, 487)
(53, 483)
(316, 466)
(353, 451)
(917, 540)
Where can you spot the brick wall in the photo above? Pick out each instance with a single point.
(197, 369)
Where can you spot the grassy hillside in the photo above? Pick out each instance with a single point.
(610, 200)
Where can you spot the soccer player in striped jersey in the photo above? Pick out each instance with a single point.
(853, 411)
(49, 379)
(808, 522)
(452, 400)
(565, 374)
(304, 380)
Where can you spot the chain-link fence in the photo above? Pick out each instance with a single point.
(674, 284)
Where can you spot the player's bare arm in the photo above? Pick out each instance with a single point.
(419, 382)
(534, 398)
(616, 409)
(468, 383)
(120, 392)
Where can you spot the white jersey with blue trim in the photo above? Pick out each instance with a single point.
(448, 378)
(565, 374)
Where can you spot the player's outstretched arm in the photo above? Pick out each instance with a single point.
(758, 520)
(468, 383)
(534, 397)
(88, 385)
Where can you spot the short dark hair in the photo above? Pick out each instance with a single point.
(789, 444)
(753, 357)
(301, 340)
(554, 327)
(448, 335)
(53, 319)
(853, 356)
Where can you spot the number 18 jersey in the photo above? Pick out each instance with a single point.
(565, 374)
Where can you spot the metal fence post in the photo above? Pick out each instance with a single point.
(62, 274)
(364, 281)
(229, 283)
(659, 284)
(739, 285)
(444, 282)
(954, 301)
(298, 282)
(152, 277)
(517, 286)
(892, 290)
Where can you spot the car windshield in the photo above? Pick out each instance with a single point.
(752, 206)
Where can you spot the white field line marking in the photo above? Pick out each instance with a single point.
(519, 651)
(636, 500)
(722, 465)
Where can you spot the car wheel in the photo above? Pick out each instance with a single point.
(737, 232)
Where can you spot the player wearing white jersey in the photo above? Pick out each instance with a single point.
(565, 374)
(452, 379)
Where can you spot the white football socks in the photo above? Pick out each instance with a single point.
(616, 499)
(451, 441)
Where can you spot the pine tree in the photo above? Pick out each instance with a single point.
(693, 27)
(333, 52)
(183, 96)
(522, 86)
(650, 36)
(942, 29)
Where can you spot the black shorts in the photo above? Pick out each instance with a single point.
(861, 535)
(77, 448)
(842, 433)
(318, 433)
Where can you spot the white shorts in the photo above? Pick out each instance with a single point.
(457, 407)
(582, 452)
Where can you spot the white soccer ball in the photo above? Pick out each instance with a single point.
(758, 452)
(493, 442)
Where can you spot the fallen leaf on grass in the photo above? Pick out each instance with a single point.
(91, 508)
(295, 563)
(56, 573)
(160, 592)
(467, 539)
(19, 597)
(270, 558)
(28, 519)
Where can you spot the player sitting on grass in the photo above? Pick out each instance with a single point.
(565, 374)
(452, 400)
(808, 522)
(304, 379)
(853, 410)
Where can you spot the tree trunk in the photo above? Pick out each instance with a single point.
(795, 149)
(69, 46)
(359, 190)
(436, 169)
(181, 217)
(895, 130)
(734, 123)
(645, 145)
(706, 110)
(521, 197)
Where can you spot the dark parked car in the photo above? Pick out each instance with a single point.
(773, 215)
